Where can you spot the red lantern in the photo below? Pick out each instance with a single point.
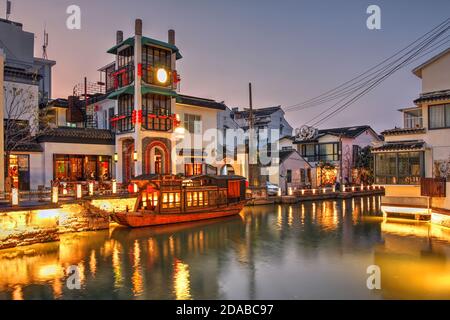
(140, 69)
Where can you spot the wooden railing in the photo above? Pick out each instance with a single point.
(433, 187)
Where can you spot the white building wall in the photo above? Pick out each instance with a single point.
(36, 172)
(436, 76)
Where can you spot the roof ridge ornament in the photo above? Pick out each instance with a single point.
(305, 133)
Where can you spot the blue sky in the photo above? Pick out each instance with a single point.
(290, 50)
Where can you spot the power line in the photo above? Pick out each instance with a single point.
(338, 91)
(378, 81)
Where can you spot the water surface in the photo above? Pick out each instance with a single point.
(304, 251)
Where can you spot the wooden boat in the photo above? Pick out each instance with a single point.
(171, 199)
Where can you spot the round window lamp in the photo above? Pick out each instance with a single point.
(162, 75)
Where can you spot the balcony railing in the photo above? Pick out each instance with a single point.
(126, 123)
(124, 76)
(122, 124)
(413, 122)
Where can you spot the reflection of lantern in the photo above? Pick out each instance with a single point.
(114, 186)
(55, 195)
(91, 188)
(79, 191)
(15, 197)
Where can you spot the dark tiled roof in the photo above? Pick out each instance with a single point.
(262, 112)
(284, 154)
(347, 132)
(79, 135)
(433, 96)
(29, 147)
(59, 103)
(201, 102)
(213, 177)
(401, 131)
(414, 145)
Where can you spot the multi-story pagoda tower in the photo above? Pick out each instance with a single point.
(144, 84)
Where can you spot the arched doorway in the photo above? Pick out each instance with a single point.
(128, 163)
(157, 158)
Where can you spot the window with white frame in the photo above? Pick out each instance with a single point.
(192, 123)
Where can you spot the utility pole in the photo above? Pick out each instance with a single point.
(250, 142)
(8, 9)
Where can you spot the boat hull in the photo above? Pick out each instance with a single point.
(140, 220)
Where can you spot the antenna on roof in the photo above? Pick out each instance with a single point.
(45, 45)
(8, 9)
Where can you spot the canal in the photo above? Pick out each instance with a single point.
(305, 251)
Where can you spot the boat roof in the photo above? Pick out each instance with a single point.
(213, 177)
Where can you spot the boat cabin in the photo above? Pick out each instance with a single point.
(174, 194)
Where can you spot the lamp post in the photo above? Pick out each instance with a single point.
(14, 197)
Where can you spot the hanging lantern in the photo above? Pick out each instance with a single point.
(135, 156)
(290, 191)
(135, 188)
(116, 157)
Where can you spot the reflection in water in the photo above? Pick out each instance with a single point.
(308, 250)
(181, 281)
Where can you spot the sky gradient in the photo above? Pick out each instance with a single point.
(290, 50)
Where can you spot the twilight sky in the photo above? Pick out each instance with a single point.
(291, 50)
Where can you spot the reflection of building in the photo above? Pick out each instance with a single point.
(421, 148)
(414, 261)
(333, 152)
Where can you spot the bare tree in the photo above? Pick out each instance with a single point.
(24, 121)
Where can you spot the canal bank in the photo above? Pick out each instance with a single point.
(39, 223)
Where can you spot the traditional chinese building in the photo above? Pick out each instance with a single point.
(332, 153)
(421, 148)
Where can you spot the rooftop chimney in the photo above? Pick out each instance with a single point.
(119, 37)
(138, 27)
(172, 37)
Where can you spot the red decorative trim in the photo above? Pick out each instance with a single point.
(167, 160)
